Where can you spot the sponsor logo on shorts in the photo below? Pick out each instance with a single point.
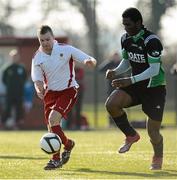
(158, 107)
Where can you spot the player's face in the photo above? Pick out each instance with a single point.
(46, 41)
(132, 28)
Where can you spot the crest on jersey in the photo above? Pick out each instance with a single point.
(61, 54)
(155, 53)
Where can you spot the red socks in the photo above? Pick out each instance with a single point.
(56, 156)
(58, 130)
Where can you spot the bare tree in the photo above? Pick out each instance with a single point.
(154, 11)
(7, 11)
(48, 6)
(87, 8)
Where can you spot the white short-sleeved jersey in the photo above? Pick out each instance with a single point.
(57, 70)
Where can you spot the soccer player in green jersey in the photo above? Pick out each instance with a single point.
(141, 51)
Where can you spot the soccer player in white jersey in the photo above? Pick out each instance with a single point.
(54, 80)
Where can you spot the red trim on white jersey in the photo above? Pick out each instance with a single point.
(45, 79)
(71, 71)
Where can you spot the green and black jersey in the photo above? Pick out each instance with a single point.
(141, 50)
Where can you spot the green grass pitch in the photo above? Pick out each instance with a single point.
(94, 156)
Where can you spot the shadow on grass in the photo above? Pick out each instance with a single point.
(20, 157)
(152, 174)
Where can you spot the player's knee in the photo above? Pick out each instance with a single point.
(54, 118)
(108, 105)
(111, 106)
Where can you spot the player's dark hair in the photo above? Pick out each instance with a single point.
(133, 13)
(44, 29)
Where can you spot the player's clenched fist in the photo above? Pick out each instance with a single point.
(110, 74)
(122, 82)
(91, 62)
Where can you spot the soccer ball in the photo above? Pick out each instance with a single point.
(50, 143)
